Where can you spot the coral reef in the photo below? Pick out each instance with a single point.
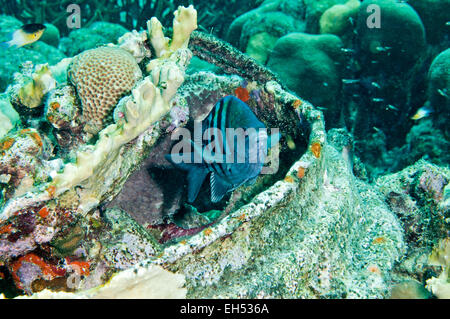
(151, 282)
(32, 180)
(311, 66)
(101, 77)
(336, 20)
(62, 111)
(99, 33)
(372, 40)
(256, 31)
(91, 208)
(440, 257)
(22, 162)
(31, 88)
(417, 195)
(439, 90)
(314, 9)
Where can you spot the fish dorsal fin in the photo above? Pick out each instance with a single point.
(195, 177)
(219, 188)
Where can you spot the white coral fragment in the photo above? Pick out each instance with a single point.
(149, 102)
(134, 43)
(151, 282)
(184, 22)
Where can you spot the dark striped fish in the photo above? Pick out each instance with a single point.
(232, 149)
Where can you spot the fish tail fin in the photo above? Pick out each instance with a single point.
(196, 175)
(219, 188)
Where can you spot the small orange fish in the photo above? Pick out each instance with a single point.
(242, 94)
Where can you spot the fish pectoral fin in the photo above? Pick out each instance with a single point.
(219, 188)
(196, 176)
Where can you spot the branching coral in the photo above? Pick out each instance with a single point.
(184, 23)
(149, 101)
(134, 114)
(31, 89)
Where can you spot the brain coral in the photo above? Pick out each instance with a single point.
(101, 77)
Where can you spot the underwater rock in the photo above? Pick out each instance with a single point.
(439, 91)
(417, 195)
(51, 35)
(127, 243)
(395, 51)
(440, 256)
(83, 39)
(314, 9)
(63, 112)
(336, 20)
(311, 66)
(135, 43)
(409, 289)
(22, 164)
(140, 282)
(256, 31)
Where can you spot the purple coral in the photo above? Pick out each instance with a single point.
(433, 184)
(179, 115)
